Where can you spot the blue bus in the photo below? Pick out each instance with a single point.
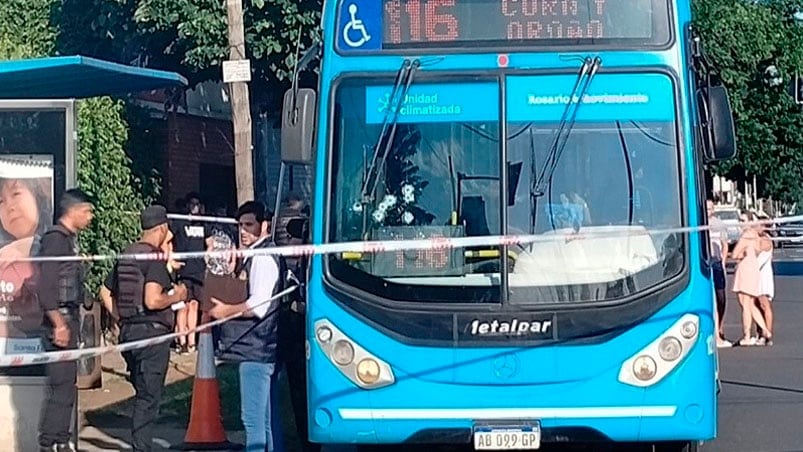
(583, 126)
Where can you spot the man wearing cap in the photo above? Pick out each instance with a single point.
(61, 294)
(140, 294)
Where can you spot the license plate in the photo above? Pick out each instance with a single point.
(507, 438)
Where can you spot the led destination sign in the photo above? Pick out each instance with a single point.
(410, 24)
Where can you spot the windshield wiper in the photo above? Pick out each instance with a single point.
(629, 166)
(404, 78)
(587, 72)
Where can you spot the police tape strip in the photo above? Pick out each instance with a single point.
(372, 247)
(201, 218)
(31, 359)
(329, 248)
(190, 217)
(232, 221)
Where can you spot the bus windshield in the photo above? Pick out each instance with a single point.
(615, 173)
(614, 177)
(445, 133)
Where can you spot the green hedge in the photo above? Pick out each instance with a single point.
(104, 169)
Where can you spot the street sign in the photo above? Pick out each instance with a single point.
(236, 71)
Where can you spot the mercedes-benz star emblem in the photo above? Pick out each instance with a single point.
(506, 366)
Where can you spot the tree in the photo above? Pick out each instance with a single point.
(756, 46)
(189, 36)
(104, 167)
(25, 28)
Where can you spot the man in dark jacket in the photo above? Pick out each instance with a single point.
(252, 340)
(61, 294)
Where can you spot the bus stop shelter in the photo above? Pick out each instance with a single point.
(38, 140)
(78, 77)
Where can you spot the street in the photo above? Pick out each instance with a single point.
(761, 403)
(760, 409)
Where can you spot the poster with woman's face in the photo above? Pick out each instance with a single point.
(26, 211)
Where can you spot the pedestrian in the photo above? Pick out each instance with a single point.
(140, 294)
(190, 237)
(292, 316)
(251, 341)
(766, 286)
(173, 267)
(746, 280)
(220, 233)
(221, 236)
(61, 295)
(718, 249)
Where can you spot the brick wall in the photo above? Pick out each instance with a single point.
(193, 141)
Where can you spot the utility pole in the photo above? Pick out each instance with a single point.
(237, 74)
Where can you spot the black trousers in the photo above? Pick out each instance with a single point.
(59, 405)
(148, 369)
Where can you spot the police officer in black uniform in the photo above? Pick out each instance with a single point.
(61, 294)
(141, 294)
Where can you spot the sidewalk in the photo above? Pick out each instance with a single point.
(104, 422)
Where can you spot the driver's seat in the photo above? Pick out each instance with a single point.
(472, 214)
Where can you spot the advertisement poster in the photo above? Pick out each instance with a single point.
(26, 211)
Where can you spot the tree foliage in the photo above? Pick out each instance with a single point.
(744, 39)
(190, 36)
(27, 30)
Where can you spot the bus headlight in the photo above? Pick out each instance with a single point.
(688, 330)
(669, 349)
(368, 371)
(324, 334)
(651, 364)
(644, 368)
(343, 353)
(351, 359)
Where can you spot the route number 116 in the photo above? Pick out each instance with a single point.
(421, 20)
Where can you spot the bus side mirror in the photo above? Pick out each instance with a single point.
(716, 123)
(298, 126)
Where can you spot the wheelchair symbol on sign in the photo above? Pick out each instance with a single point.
(355, 25)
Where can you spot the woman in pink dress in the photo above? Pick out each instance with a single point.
(767, 285)
(747, 281)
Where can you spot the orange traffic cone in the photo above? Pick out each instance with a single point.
(205, 431)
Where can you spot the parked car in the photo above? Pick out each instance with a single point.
(730, 217)
(771, 226)
(791, 231)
